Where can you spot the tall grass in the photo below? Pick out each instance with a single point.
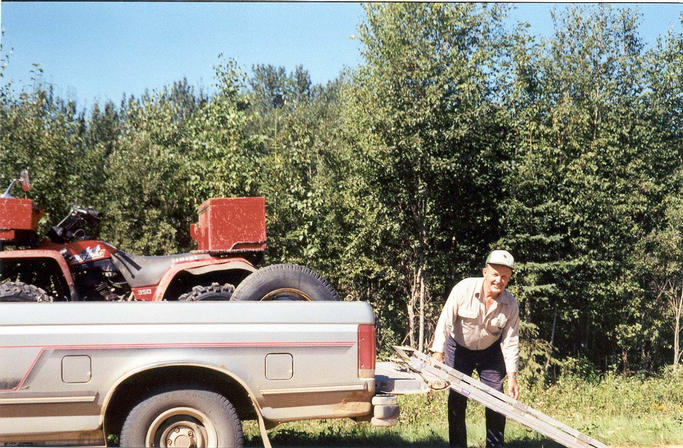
(621, 411)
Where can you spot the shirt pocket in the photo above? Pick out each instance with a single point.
(498, 322)
(468, 317)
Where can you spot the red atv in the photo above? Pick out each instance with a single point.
(70, 265)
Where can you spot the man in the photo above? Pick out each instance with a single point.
(479, 330)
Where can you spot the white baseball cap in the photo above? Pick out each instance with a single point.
(501, 257)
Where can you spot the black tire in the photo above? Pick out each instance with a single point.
(284, 282)
(192, 416)
(212, 292)
(22, 292)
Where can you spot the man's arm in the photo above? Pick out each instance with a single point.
(510, 348)
(445, 322)
(513, 386)
(440, 334)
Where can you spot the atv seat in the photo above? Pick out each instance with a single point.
(141, 270)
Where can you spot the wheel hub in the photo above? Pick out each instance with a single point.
(183, 434)
(287, 294)
(181, 428)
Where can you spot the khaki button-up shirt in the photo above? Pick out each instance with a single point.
(465, 319)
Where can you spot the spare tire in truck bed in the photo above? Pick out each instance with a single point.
(284, 282)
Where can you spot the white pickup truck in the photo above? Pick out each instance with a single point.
(182, 374)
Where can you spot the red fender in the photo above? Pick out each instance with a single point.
(42, 253)
(156, 292)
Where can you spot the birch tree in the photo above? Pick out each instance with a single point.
(421, 125)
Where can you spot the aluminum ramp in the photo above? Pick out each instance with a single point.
(439, 376)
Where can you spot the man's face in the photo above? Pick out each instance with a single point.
(496, 278)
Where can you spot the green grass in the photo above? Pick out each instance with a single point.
(617, 410)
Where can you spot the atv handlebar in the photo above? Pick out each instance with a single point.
(89, 214)
(73, 226)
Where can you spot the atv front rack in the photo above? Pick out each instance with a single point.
(437, 375)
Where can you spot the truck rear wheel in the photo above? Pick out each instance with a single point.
(284, 282)
(22, 292)
(183, 418)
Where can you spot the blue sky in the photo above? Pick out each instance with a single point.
(98, 51)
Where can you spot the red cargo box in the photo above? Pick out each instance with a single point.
(18, 214)
(231, 225)
(18, 219)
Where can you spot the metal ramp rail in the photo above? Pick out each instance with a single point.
(439, 375)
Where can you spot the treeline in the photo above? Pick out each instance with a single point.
(455, 135)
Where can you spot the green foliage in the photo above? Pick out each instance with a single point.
(536, 354)
(43, 133)
(588, 178)
(420, 125)
(139, 206)
(659, 258)
(223, 160)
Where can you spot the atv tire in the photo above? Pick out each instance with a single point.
(22, 292)
(212, 292)
(284, 282)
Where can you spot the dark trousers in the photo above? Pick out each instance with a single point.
(490, 365)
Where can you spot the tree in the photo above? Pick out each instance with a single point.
(300, 183)
(177, 149)
(586, 181)
(43, 133)
(658, 258)
(422, 131)
(269, 86)
(224, 159)
(146, 189)
(661, 257)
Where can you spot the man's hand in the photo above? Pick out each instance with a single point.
(513, 387)
(437, 356)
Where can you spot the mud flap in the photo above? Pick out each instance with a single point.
(261, 425)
